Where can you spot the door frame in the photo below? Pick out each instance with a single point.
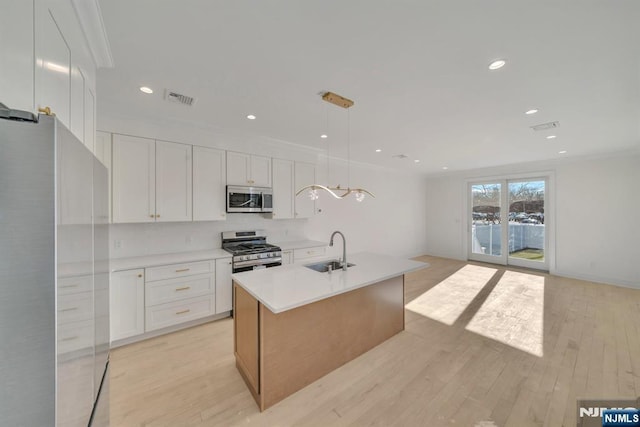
(550, 219)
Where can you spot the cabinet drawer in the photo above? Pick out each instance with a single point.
(163, 291)
(299, 254)
(75, 336)
(179, 270)
(74, 285)
(74, 307)
(163, 315)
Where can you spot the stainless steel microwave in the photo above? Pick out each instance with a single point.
(249, 199)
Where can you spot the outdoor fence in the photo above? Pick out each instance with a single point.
(487, 237)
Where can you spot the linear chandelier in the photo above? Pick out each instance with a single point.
(337, 191)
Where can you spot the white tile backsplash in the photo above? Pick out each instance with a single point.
(128, 240)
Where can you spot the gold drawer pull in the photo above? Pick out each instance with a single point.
(139, 275)
(183, 311)
(182, 270)
(70, 338)
(184, 288)
(69, 309)
(152, 216)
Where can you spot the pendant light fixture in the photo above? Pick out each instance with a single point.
(338, 192)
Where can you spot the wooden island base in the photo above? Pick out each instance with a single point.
(279, 354)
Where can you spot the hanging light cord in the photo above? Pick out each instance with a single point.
(348, 149)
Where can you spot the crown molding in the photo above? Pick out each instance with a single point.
(90, 18)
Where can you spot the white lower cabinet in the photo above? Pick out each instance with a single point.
(179, 293)
(149, 299)
(75, 314)
(287, 257)
(224, 286)
(163, 315)
(126, 300)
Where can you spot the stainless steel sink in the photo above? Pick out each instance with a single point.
(325, 266)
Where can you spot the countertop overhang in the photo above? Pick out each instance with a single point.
(289, 286)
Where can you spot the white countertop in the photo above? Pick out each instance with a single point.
(290, 286)
(120, 264)
(299, 244)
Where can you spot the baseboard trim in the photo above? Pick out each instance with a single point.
(169, 329)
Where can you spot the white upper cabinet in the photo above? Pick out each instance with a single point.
(90, 119)
(49, 53)
(305, 174)
(283, 191)
(246, 169)
(133, 179)
(53, 67)
(16, 55)
(260, 171)
(209, 175)
(173, 182)
(151, 180)
(77, 104)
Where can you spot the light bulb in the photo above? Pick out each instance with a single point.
(360, 196)
(313, 194)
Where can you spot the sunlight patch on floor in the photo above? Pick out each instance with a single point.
(514, 313)
(446, 301)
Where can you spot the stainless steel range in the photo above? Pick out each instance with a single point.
(250, 250)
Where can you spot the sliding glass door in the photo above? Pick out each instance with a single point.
(507, 222)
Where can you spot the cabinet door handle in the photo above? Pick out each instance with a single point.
(183, 311)
(68, 286)
(139, 275)
(182, 270)
(184, 288)
(69, 309)
(70, 338)
(157, 216)
(46, 110)
(151, 216)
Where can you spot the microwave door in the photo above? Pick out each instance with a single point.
(267, 202)
(244, 202)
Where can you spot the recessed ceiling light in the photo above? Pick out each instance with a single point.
(323, 136)
(417, 161)
(562, 152)
(146, 89)
(445, 167)
(497, 64)
(251, 117)
(532, 111)
(378, 150)
(551, 136)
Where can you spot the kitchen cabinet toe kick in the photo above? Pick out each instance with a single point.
(279, 354)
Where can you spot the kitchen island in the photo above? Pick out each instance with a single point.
(293, 325)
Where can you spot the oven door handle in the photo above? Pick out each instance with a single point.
(261, 261)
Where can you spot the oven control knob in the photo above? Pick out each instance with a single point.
(269, 254)
(242, 258)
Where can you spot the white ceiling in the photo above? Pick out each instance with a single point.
(417, 71)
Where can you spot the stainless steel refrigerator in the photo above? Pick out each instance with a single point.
(54, 278)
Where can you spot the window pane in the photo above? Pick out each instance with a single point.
(485, 213)
(526, 220)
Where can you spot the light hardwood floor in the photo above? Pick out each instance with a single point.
(486, 346)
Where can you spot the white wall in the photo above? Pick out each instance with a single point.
(392, 223)
(596, 213)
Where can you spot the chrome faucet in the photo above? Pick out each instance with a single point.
(344, 248)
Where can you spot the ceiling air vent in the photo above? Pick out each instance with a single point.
(179, 98)
(545, 126)
(400, 156)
